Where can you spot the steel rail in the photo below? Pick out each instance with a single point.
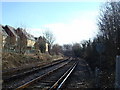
(30, 71)
(64, 77)
(38, 78)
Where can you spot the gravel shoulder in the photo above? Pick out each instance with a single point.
(80, 78)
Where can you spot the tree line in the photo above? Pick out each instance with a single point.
(109, 36)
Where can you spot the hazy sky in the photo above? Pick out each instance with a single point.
(69, 21)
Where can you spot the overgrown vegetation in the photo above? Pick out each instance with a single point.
(109, 38)
(15, 60)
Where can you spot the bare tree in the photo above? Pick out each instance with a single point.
(109, 26)
(109, 36)
(67, 50)
(56, 49)
(49, 38)
(22, 41)
(76, 49)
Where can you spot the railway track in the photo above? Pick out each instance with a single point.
(20, 71)
(22, 78)
(51, 80)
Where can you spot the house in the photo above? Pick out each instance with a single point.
(1, 44)
(22, 43)
(46, 47)
(27, 40)
(4, 36)
(12, 40)
(0, 41)
(30, 40)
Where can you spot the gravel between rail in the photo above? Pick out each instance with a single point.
(80, 77)
(52, 78)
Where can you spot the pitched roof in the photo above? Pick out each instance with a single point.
(3, 31)
(12, 30)
(29, 36)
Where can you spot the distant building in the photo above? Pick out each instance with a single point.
(0, 43)
(0, 46)
(27, 40)
(12, 40)
(18, 40)
(22, 43)
(30, 40)
(4, 36)
(46, 47)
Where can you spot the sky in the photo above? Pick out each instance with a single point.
(70, 22)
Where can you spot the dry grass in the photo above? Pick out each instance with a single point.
(14, 60)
